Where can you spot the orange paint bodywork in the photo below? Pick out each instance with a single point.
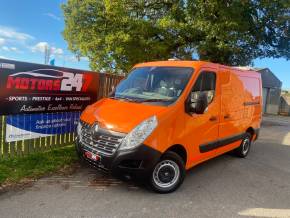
(232, 107)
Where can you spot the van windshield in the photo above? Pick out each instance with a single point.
(154, 84)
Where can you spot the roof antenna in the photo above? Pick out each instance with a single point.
(173, 59)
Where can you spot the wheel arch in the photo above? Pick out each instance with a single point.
(251, 131)
(180, 150)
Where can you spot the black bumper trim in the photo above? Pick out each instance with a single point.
(145, 155)
(257, 133)
(220, 143)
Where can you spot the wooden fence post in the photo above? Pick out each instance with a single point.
(102, 78)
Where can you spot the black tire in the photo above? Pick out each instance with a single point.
(244, 149)
(173, 170)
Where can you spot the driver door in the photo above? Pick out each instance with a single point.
(202, 129)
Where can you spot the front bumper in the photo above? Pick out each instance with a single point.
(137, 162)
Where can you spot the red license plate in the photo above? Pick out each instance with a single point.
(92, 156)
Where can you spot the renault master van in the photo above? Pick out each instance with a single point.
(169, 116)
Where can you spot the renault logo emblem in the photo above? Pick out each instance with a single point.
(96, 127)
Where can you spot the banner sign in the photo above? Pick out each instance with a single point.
(34, 88)
(30, 126)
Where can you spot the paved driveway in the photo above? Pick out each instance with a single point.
(258, 186)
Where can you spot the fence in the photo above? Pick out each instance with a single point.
(24, 147)
(284, 107)
(107, 83)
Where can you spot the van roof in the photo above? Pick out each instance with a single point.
(195, 63)
(174, 63)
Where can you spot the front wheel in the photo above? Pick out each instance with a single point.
(168, 174)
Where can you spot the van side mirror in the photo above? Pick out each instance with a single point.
(199, 105)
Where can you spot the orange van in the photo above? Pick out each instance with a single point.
(169, 116)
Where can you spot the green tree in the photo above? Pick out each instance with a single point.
(116, 34)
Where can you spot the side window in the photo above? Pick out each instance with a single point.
(206, 83)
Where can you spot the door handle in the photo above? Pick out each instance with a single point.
(213, 118)
(227, 116)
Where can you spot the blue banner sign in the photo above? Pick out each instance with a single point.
(30, 126)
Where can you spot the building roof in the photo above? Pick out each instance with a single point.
(269, 79)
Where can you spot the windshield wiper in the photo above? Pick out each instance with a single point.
(124, 98)
(155, 100)
(141, 100)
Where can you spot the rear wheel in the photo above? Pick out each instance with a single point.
(168, 174)
(245, 146)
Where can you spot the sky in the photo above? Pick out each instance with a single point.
(27, 27)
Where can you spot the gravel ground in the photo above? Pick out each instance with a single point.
(258, 186)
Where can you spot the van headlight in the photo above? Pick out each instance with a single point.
(139, 134)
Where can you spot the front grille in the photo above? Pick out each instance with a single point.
(103, 141)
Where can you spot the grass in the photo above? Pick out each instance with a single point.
(36, 165)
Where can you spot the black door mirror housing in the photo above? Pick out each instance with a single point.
(199, 105)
